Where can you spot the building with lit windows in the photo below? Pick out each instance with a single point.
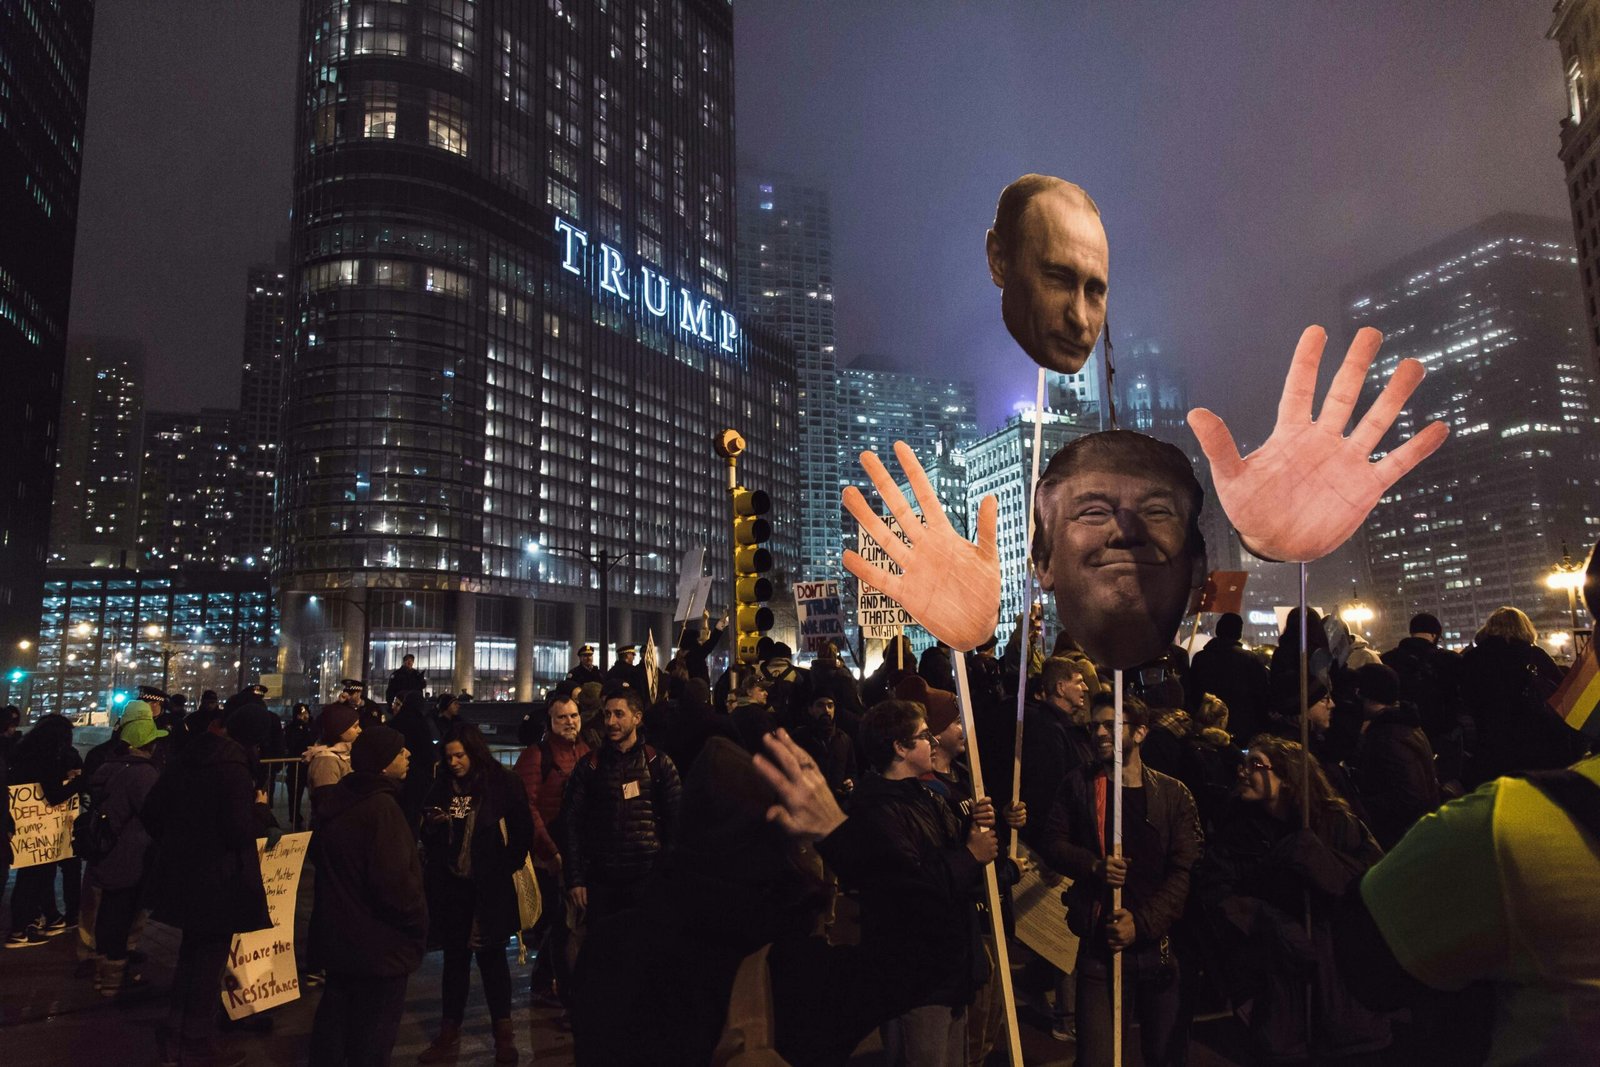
(786, 284)
(878, 407)
(259, 427)
(1495, 314)
(44, 86)
(1576, 29)
(105, 632)
(95, 521)
(188, 491)
(513, 336)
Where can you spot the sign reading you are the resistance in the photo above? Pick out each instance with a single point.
(650, 294)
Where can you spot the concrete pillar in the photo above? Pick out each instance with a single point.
(526, 637)
(291, 612)
(353, 608)
(466, 640)
(579, 626)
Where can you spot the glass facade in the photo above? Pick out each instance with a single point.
(104, 633)
(1495, 314)
(44, 86)
(511, 322)
(1576, 29)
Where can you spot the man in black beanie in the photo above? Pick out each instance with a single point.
(1394, 764)
(370, 921)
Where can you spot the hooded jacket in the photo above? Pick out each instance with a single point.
(370, 917)
(1397, 779)
(120, 787)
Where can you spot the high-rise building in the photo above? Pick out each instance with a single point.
(96, 513)
(259, 425)
(44, 86)
(786, 284)
(878, 407)
(1495, 314)
(188, 491)
(513, 335)
(1576, 28)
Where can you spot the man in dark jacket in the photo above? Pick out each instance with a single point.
(1224, 669)
(370, 921)
(1394, 763)
(205, 815)
(1055, 740)
(830, 678)
(584, 670)
(1161, 843)
(421, 744)
(621, 813)
(259, 732)
(405, 679)
(929, 864)
(1430, 679)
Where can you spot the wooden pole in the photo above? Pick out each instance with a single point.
(991, 884)
(1116, 850)
(1305, 765)
(1026, 658)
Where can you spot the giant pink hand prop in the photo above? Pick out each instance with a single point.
(950, 585)
(1306, 490)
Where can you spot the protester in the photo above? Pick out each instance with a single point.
(411, 720)
(1252, 887)
(205, 815)
(329, 760)
(447, 717)
(298, 736)
(621, 814)
(1236, 677)
(44, 755)
(545, 768)
(1430, 678)
(477, 830)
(696, 648)
(1055, 735)
(1209, 764)
(259, 732)
(369, 920)
(1394, 765)
(830, 678)
(816, 730)
(118, 791)
(1506, 679)
(1161, 842)
(788, 687)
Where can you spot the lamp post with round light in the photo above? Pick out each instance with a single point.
(1568, 575)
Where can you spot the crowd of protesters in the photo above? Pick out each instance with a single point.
(695, 844)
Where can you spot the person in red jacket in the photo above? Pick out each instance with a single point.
(544, 768)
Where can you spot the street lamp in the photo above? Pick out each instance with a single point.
(602, 563)
(167, 651)
(1569, 576)
(1356, 614)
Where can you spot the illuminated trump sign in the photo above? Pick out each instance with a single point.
(650, 294)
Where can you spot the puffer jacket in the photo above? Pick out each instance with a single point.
(612, 839)
(119, 788)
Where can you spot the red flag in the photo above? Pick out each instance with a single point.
(1223, 592)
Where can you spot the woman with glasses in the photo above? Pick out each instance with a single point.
(1259, 876)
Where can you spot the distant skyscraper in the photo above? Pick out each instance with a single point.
(96, 515)
(1496, 315)
(1576, 27)
(513, 336)
(188, 491)
(44, 84)
(786, 284)
(879, 407)
(259, 426)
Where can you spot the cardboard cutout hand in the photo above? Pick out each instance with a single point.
(950, 585)
(1306, 490)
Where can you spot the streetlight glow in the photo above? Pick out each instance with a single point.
(1564, 580)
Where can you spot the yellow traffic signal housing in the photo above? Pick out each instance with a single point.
(751, 561)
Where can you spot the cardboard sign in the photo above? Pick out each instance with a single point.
(260, 973)
(692, 588)
(878, 616)
(1041, 917)
(1223, 592)
(820, 614)
(44, 831)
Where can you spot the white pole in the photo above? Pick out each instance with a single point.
(1027, 608)
(1116, 850)
(991, 884)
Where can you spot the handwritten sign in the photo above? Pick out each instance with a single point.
(877, 615)
(44, 831)
(819, 613)
(1041, 917)
(261, 973)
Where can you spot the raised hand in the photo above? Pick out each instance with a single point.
(806, 807)
(950, 585)
(1306, 490)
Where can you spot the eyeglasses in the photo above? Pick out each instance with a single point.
(1252, 766)
(925, 735)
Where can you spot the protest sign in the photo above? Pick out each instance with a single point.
(819, 614)
(692, 586)
(261, 973)
(878, 615)
(44, 831)
(1041, 917)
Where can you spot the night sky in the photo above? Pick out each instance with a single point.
(1249, 159)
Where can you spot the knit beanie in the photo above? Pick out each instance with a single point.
(939, 704)
(375, 749)
(335, 720)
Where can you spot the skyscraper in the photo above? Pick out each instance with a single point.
(879, 407)
(259, 425)
(188, 490)
(786, 283)
(44, 86)
(1494, 312)
(1576, 27)
(513, 335)
(96, 514)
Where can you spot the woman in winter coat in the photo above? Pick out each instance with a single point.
(1505, 680)
(329, 761)
(1251, 888)
(476, 832)
(45, 756)
(119, 789)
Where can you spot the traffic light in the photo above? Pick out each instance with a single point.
(16, 675)
(751, 561)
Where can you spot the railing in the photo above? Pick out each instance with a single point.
(288, 799)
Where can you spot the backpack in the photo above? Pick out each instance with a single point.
(93, 836)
